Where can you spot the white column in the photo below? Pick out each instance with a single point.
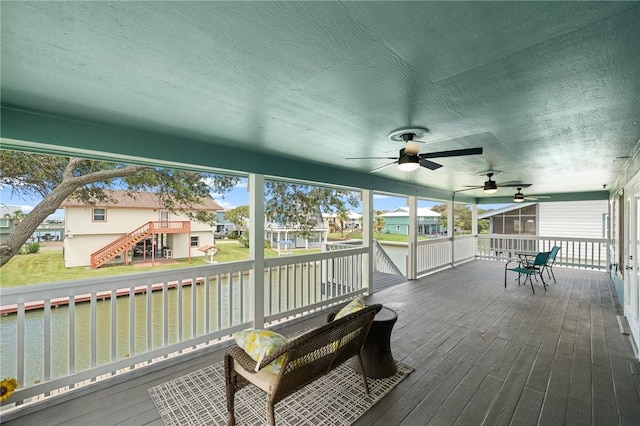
(256, 248)
(450, 229)
(367, 239)
(412, 266)
(474, 219)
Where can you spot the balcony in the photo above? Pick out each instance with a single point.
(481, 353)
(525, 349)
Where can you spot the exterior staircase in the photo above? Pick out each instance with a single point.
(127, 241)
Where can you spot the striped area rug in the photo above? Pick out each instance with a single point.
(338, 398)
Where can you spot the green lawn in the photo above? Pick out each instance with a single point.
(48, 266)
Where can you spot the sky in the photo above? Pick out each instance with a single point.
(237, 197)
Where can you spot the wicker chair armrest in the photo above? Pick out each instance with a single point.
(241, 357)
(332, 315)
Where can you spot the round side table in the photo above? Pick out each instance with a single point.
(376, 354)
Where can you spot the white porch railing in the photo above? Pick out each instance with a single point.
(433, 255)
(588, 253)
(64, 335)
(381, 260)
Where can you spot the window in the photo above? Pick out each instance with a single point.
(5, 223)
(195, 241)
(99, 215)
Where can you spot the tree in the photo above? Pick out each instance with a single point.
(57, 178)
(378, 224)
(301, 206)
(342, 216)
(461, 214)
(238, 216)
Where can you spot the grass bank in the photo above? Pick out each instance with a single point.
(48, 265)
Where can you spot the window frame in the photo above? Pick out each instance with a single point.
(93, 214)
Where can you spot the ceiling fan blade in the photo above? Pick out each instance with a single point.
(382, 167)
(514, 185)
(536, 197)
(473, 186)
(429, 164)
(452, 153)
(371, 158)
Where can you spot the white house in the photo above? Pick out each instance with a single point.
(332, 221)
(117, 232)
(585, 219)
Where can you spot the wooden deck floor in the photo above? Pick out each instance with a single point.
(482, 354)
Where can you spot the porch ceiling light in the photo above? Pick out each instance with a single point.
(408, 163)
(490, 187)
(518, 197)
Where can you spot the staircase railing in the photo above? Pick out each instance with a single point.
(119, 245)
(383, 262)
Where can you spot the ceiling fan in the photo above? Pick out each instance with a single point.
(519, 197)
(491, 186)
(410, 159)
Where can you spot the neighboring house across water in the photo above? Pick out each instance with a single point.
(280, 237)
(397, 222)
(112, 232)
(50, 230)
(224, 226)
(332, 222)
(7, 222)
(583, 219)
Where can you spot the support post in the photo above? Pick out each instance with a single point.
(367, 239)
(256, 248)
(451, 228)
(412, 266)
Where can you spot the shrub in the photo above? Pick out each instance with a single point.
(30, 248)
(233, 235)
(244, 239)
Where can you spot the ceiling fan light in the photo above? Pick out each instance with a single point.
(408, 163)
(518, 197)
(490, 187)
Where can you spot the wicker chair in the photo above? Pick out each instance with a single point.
(307, 357)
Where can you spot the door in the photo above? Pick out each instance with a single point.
(632, 259)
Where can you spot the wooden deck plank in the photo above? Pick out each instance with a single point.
(477, 407)
(482, 354)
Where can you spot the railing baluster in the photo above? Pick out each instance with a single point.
(241, 297)
(194, 307)
(230, 299)
(295, 285)
(219, 302)
(72, 334)
(149, 318)
(94, 327)
(114, 325)
(207, 309)
(179, 321)
(47, 339)
(20, 349)
(279, 289)
(165, 313)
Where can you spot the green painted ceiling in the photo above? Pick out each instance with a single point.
(550, 90)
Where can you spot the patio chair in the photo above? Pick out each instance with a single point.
(550, 261)
(529, 269)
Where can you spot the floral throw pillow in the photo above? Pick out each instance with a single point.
(353, 306)
(260, 343)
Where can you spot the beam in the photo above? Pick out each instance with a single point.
(36, 131)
